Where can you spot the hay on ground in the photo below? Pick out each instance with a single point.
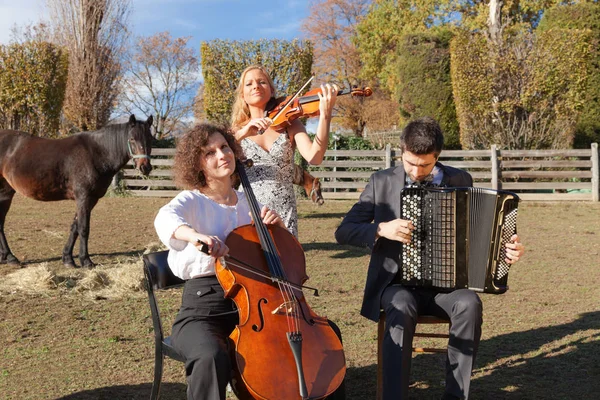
(114, 281)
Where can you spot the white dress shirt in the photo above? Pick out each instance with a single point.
(194, 209)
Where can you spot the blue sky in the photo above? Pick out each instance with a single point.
(201, 19)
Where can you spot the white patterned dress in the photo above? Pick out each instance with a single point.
(271, 178)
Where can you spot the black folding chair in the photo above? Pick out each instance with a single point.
(159, 277)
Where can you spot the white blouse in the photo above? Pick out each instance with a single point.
(194, 209)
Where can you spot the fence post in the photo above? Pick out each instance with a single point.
(595, 173)
(335, 140)
(495, 170)
(388, 155)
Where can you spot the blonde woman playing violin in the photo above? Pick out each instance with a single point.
(272, 152)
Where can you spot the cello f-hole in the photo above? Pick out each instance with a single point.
(255, 327)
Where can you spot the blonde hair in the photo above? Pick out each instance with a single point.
(241, 113)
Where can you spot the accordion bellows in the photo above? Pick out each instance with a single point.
(459, 238)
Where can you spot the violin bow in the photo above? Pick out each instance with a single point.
(290, 100)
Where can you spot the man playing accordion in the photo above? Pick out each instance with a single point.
(374, 221)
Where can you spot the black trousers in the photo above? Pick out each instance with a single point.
(402, 306)
(200, 332)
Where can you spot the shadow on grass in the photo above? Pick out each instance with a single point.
(361, 382)
(134, 253)
(130, 392)
(554, 362)
(322, 215)
(342, 251)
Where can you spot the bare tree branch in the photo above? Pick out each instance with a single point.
(161, 77)
(94, 32)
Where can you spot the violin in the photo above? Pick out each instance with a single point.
(284, 110)
(283, 350)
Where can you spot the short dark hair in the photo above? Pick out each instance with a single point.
(190, 147)
(422, 136)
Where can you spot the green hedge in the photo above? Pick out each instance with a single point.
(582, 16)
(524, 93)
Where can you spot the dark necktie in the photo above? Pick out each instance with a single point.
(425, 182)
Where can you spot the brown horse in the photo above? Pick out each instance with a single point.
(311, 185)
(78, 168)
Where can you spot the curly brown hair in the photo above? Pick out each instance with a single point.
(190, 148)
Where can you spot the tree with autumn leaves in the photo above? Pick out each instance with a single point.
(331, 28)
(420, 59)
(94, 34)
(160, 79)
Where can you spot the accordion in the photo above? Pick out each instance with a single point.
(459, 238)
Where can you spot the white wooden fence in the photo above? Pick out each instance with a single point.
(533, 174)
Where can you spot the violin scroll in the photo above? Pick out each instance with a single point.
(364, 92)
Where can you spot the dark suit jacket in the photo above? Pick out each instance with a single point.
(380, 202)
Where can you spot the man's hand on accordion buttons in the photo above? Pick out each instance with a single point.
(514, 250)
(399, 230)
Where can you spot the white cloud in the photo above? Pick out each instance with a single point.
(286, 28)
(19, 13)
(186, 24)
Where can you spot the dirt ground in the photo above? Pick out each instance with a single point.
(87, 334)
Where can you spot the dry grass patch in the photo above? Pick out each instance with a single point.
(106, 281)
(109, 282)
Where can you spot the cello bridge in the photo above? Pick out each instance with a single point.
(287, 307)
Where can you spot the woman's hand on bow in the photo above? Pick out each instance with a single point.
(210, 245)
(254, 127)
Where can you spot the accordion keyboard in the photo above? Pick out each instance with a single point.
(458, 239)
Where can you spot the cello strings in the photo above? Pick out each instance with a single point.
(275, 262)
(286, 296)
(271, 254)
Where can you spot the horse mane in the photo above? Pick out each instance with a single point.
(112, 137)
(298, 175)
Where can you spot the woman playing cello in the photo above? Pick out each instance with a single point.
(206, 213)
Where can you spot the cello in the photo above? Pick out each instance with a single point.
(283, 350)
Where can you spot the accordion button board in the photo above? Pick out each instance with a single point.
(459, 238)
